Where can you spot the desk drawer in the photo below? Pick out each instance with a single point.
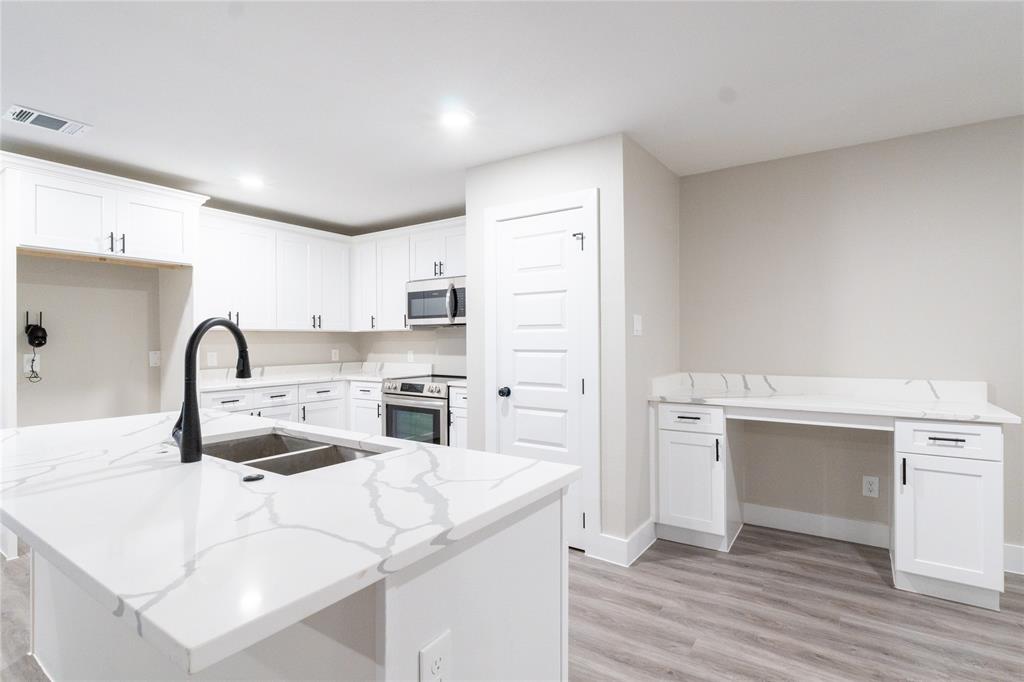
(275, 395)
(677, 417)
(328, 390)
(228, 400)
(950, 439)
(365, 390)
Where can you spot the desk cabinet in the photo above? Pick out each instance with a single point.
(691, 478)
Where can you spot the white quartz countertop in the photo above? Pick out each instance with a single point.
(202, 564)
(913, 399)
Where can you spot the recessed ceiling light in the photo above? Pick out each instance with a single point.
(251, 181)
(457, 118)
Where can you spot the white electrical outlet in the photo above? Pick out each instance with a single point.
(638, 325)
(27, 362)
(211, 359)
(870, 486)
(335, 355)
(436, 659)
(154, 358)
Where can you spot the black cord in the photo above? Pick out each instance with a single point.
(33, 375)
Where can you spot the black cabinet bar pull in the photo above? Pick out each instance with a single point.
(378, 410)
(314, 321)
(319, 322)
(435, 268)
(122, 242)
(111, 242)
(948, 440)
(279, 395)
(904, 471)
(373, 322)
(303, 413)
(326, 390)
(683, 416)
(716, 449)
(440, 267)
(228, 402)
(238, 318)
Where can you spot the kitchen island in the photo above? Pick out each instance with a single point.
(144, 567)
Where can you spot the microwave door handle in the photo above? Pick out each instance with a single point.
(449, 298)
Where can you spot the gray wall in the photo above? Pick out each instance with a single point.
(102, 320)
(900, 258)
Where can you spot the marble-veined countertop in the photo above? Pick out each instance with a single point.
(202, 564)
(903, 398)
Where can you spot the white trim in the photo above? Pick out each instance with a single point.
(944, 589)
(841, 420)
(8, 543)
(685, 536)
(590, 402)
(851, 530)
(1013, 558)
(30, 163)
(624, 552)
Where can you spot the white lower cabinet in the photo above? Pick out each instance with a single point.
(458, 436)
(691, 481)
(289, 413)
(329, 413)
(949, 518)
(365, 416)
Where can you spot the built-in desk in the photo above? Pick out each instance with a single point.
(946, 521)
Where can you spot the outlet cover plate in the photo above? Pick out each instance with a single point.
(869, 486)
(436, 659)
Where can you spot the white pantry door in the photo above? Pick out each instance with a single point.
(546, 342)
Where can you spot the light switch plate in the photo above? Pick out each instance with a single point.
(154, 358)
(638, 325)
(335, 355)
(436, 659)
(211, 359)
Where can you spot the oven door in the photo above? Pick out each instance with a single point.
(420, 419)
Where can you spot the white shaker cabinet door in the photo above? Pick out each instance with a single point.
(454, 262)
(335, 298)
(64, 214)
(392, 275)
(363, 287)
(949, 518)
(365, 416)
(296, 271)
(288, 413)
(156, 228)
(691, 481)
(216, 282)
(426, 251)
(458, 429)
(254, 249)
(329, 413)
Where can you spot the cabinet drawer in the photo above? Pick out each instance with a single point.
(228, 400)
(365, 390)
(276, 395)
(330, 390)
(690, 418)
(457, 397)
(950, 439)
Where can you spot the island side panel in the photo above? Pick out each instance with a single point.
(75, 637)
(502, 593)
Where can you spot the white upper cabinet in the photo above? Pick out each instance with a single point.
(335, 299)
(364, 286)
(154, 227)
(61, 208)
(438, 251)
(298, 290)
(235, 272)
(392, 275)
(66, 214)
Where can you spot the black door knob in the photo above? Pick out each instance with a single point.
(504, 391)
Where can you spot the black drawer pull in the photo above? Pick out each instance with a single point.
(228, 402)
(279, 395)
(947, 440)
(904, 471)
(364, 390)
(682, 416)
(326, 390)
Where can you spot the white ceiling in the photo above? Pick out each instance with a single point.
(336, 105)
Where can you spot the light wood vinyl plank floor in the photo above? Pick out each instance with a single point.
(779, 606)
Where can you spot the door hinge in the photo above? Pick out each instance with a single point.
(579, 237)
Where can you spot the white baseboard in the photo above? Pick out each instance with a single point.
(623, 552)
(1013, 558)
(862, 532)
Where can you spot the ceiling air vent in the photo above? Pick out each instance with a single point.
(48, 121)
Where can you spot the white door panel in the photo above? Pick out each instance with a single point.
(364, 286)
(329, 413)
(294, 282)
(154, 228)
(691, 481)
(66, 214)
(393, 274)
(541, 336)
(335, 297)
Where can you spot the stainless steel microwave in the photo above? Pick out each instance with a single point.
(436, 302)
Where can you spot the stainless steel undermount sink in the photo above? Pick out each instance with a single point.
(285, 454)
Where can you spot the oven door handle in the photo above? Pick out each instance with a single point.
(438, 404)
